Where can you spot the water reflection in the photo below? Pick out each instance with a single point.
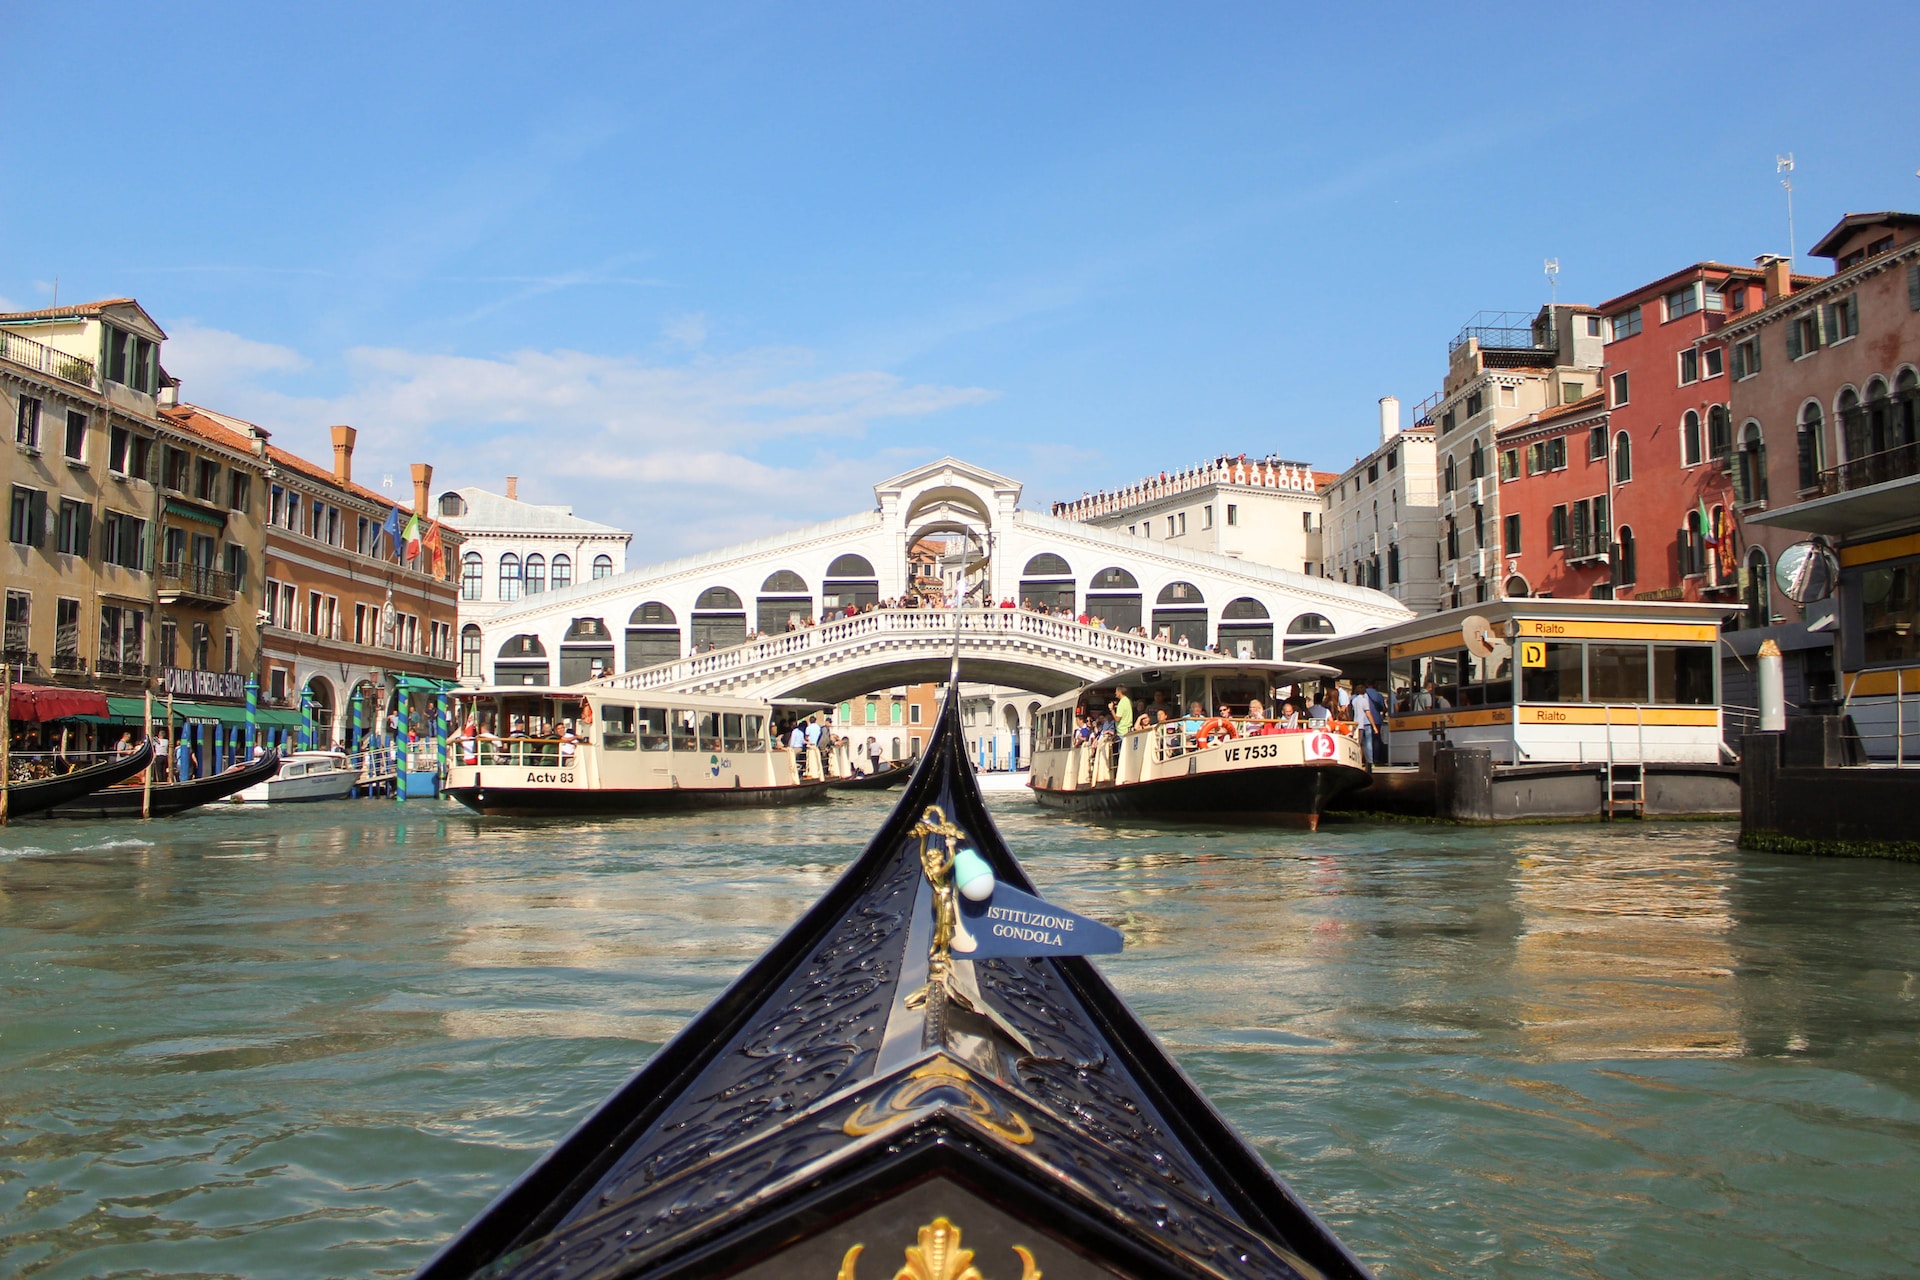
(315, 1043)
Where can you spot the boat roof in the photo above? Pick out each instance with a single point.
(1499, 612)
(626, 697)
(818, 1108)
(1273, 670)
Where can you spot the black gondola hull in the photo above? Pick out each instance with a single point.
(548, 802)
(168, 798)
(1293, 794)
(28, 798)
(892, 776)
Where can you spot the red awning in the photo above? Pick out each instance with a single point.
(35, 702)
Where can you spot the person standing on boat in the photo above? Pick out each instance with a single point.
(873, 753)
(1366, 719)
(1123, 709)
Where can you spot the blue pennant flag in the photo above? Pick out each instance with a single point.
(1011, 923)
(392, 529)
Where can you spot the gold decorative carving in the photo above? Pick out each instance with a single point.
(939, 1256)
(942, 1073)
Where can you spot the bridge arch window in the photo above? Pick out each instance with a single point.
(470, 651)
(1246, 629)
(586, 652)
(535, 574)
(509, 576)
(653, 635)
(602, 567)
(1113, 596)
(562, 575)
(1310, 624)
(1180, 615)
(521, 660)
(719, 619)
(1047, 583)
(850, 583)
(784, 603)
(473, 576)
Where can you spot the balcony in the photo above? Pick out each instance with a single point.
(1589, 546)
(67, 659)
(1901, 462)
(194, 584)
(1509, 338)
(13, 646)
(110, 668)
(1872, 492)
(44, 359)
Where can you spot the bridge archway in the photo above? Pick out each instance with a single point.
(1113, 594)
(719, 619)
(784, 603)
(1180, 615)
(587, 651)
(851, 583)
(522, 660)
(1245, 621)
(1047, 583)
(653, 635)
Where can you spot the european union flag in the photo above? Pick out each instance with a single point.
(392, 529)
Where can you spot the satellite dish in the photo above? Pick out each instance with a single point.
(1480, 638)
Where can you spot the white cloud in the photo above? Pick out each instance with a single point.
(689, 455)
(688, 331)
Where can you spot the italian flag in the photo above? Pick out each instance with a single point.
(412, 535)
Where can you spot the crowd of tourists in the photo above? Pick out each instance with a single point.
(1360, 710)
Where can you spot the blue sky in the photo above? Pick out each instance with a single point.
(708, 271)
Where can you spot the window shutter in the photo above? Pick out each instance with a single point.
(39, 534)
(1853, 313)
(83, 532)
(1913, 287)
(1793, 340)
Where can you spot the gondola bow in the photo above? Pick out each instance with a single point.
(839, 1112)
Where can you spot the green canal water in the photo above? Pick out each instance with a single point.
(313, 1042)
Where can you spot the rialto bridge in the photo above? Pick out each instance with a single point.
(686, 624)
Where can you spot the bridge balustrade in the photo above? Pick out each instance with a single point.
(882, 623)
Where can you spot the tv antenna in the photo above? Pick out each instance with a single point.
(1783, 165)
(386, 481)
(1553, 280)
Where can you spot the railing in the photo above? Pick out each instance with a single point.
(200, 580)
(1423, 412)
(14, 638)
(1267, 473)
(1897, 463)
(1504, 331)
(45, 359)
(930, 624)
(121, 668)
(1589, 546)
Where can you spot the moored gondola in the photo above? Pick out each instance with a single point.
(168, 798)
(893, 775)
(26, 798)
(864, 1093)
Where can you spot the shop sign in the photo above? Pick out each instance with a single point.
(185, 682)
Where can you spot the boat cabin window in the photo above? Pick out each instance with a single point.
(710, 731)
(616, 727)
(1617, 672)
(1683, 675)
(684, 724)
(651, 727)
(1560, 680)
(754, 728)
(731, 733)
(1235, 692)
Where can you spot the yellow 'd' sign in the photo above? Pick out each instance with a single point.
(1533, 653)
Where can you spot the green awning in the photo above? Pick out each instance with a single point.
(188, 511)
(424, 684)
(131, 711)
(278, 718)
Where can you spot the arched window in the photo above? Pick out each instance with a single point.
(1113, 596)
(535, 574)
(1906, 389)
(1180, 593)
(1181, 615)
(1626, 569)
(452, 504)
(1758, 597)
(1750, 466)
(718, 598)
(470, 650)
(850, 566)
(1809, 443)
(1622, 457)
(1719, 432)
(1851, 420)
(1113, 580)
(1451, 475)
(1246, 629)
(1516, 588)
(522, 660)
(1476, 462)
(562, 575)
(1310, 624)
(473, 576)
(509, 576)
(784, 582)
(1690, 439)
(719, 619)
(1691, 546)
(602, 567)
(653, 635)
(1046, 565)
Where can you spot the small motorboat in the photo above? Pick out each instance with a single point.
(892, 775)
(865, 1093)
(42, 794)
(304, 775)
(131, 799)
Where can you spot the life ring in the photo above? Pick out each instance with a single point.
(1215, 730)
(586, 713)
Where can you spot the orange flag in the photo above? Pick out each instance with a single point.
(432, 543)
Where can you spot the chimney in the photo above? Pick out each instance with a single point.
(343, 438)
(1389, 417)
(1777, 274)
(513, 488)
(422, 478)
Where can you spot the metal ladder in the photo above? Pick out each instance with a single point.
(1624, 786)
